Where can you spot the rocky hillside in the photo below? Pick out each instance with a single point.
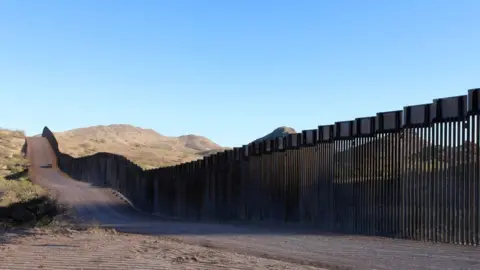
(278, 132)
(387, 152)
(11, 160)
(21, 201)
(145, 147)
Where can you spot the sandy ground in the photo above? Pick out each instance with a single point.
(107, 249)
(265, 246)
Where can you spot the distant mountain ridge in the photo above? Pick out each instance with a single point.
(145, 147)
(278, 132)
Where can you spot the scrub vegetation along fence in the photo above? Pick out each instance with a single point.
(412, 173)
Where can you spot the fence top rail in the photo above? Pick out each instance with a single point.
(449, 109)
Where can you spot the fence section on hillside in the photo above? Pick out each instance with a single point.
(412, 174)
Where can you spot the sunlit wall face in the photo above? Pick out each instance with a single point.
(411, 173)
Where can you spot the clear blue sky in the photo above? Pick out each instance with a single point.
(229, 70)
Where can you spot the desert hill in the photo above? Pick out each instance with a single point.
(385, 155)
(145, 147)
(21, 201)
(11, 159)
(278, 132)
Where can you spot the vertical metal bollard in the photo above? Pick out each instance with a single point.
(327, 200)
(473, 114)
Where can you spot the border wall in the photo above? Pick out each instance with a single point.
(411, 173)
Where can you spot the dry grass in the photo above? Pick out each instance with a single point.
(145, 147)
(21, 190)
(11, 162)
(21, 201)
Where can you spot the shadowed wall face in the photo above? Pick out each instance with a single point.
(412, 173)
(46, 133)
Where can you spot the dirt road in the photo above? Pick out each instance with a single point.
(99, 249)
(327, 251)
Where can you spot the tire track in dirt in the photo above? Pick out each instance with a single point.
(107, 250)
(329, 251)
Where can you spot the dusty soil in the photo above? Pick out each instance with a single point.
(108, 249)
(292, 246)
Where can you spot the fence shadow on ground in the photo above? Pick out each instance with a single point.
(411, 173)
(17, 218)
(18, 175)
